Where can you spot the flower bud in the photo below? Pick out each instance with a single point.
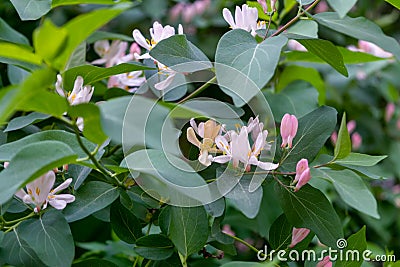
(326, 262)
(356, 140)
(264, 5)
(289, 126)
(298, 235)
(303, 174)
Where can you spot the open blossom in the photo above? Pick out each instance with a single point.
(239, 150)
(303, 174)
(113, 54)
(326, 262)
(245, 18)
(298, 235)
(208, 130)
(289, 125)
(40, 193)
(79, 94)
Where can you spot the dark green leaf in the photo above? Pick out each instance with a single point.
(50, 237)
(309, 208)
(359, 28)
(90, 198)
(351, 189)
(92, 74)
(342, 6)
(124, 223)
(343, 144)
(243, 264)
(186, 227)
(245, 66)
(154, 247)
(181, 55)
(294, 99)
(91, 116)
(8, 34)
(57, 3)
(17, 252)
(20, 122)
(30, 162)
(356, 242)
(9, 150)
(31, 9)
(326, 51)
(358, 159)
(314, 129)
(94, 263)
(280, 234)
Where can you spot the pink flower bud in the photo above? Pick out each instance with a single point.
(264, 5)
(321, 7)
(135, 49)
(351, 125)
(301, 166)
(228, 230)
(334, 138)
(326, 262)
(356, 140)
(304, 179)
(298, 235)
(289, 126)
(5, 164)
(390, 109)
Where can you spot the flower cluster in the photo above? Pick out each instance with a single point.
(188, 11)
(39, 192)
(234, 145)
(246, 18)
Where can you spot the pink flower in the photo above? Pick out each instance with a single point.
(298, 235)
(289, 126)
(326, 262)
(264, 5)
(351, 126)
(356, 140)
(389, 111)
(321, 7)
(303, 174)
(334, 138)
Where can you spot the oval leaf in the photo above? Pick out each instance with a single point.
(124, 223)
(154, 247)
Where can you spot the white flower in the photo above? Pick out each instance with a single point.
(245, 18)
(40, 194)
(79, 94)
(111, 54)
(239, 150)
(128, 81)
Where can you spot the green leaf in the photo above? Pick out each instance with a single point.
(92, 74)
(349, 57)
(45, 102)
(342, 6)
(57, 3)
(243, 264)
(314, 129)
(49, 40)
(328, 52)
(124, 223)
(244, 200)
(91, 116)
(358, 159)
(78, 58)
(309, 208)
(8, 34)
(13, 99)
(305, 28)
(9, 150)
(356, 242)
(32, 161)
(17, 252)
(17, 52)
(83, 26)
(292, 73)
(23, 121)
(102, 35)
(181, 55)
(94, 263)
(351, 189)
(395, 3)
(31, 9)
(154, 247)
(359, 28)
(171, 178)
(343, 144)
(245, 66)
(280, 234)
(50, 237)
(187, 228)
(90, 198)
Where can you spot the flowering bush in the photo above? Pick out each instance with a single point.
(143, 150)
